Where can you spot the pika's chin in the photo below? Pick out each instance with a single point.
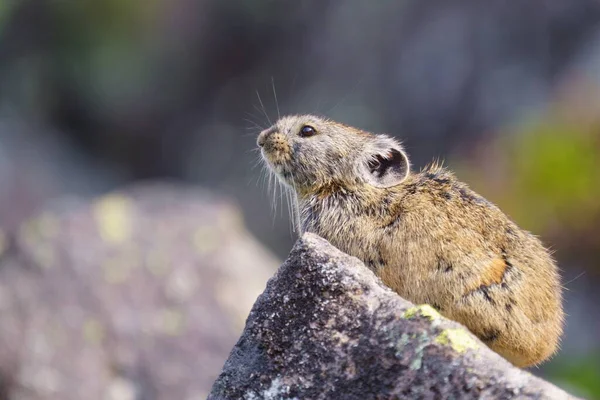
(278, 167)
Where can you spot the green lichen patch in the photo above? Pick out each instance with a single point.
(459, 339)
(113, 214)
(206, 240)
(424, 310)
(94, 331)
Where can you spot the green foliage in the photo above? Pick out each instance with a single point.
(545, 175)
(555, 171)
(6, 7)
(580, 374)
(106, 48)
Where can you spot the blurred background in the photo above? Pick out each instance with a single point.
(99, 95)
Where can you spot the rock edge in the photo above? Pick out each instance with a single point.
(326, 327)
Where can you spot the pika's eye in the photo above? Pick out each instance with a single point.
(307, 131)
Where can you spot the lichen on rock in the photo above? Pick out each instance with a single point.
(122, 298)
(327, 328)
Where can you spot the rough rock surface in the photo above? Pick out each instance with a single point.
(327, 328)
(137, 295)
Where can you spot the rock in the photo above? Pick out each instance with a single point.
(327, 328)
(137, 295)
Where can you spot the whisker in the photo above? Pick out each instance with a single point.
(271, 199)
(263, 108)
(281, 197)
(257, 162)
(247, 134)
(260, 180)
(346, 96)
(577, 277)
(259, 110)
(253, 124)
(296, 208)
(289, 207)
(275, 96)
(265, 175)
(270, 182)
(252, 116)
(275, 197)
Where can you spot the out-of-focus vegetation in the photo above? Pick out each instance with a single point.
(96, 93)
(556, 171)
(545, 173)
(581, 373)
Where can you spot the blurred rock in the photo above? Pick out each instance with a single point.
(138, 295)
(327, 328)
(143, 90)
(37, 165)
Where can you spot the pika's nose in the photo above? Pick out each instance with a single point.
(264, 135)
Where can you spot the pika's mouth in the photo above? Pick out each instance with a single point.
(276, 151)
(275, 159)
(279, 162)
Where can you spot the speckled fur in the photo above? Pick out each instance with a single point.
(428, 237)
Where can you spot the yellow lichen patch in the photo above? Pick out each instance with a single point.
(230, 219)
(41, 251)
(44, 254)
(459, 339)
(116, 270)
(48, 225)
(93, 331)
(233, 301)
(169, 322)
(113, 214)
(424, 309)
(157, 262)
(3, 242)
(28, 233)
(205, 240)
(181, 285)
(57, 335)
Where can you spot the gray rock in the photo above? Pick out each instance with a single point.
(139, 294)
(327, 328)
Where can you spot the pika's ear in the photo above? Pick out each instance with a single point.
(386, 164)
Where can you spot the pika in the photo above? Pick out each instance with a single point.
(427, 235)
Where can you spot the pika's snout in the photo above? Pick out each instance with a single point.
(274, 146)
(273, 141)
(264, 135)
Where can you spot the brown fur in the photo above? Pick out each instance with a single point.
(426, 235)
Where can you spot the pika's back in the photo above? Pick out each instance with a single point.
(450, 247)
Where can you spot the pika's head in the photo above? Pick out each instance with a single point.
(308, 153)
